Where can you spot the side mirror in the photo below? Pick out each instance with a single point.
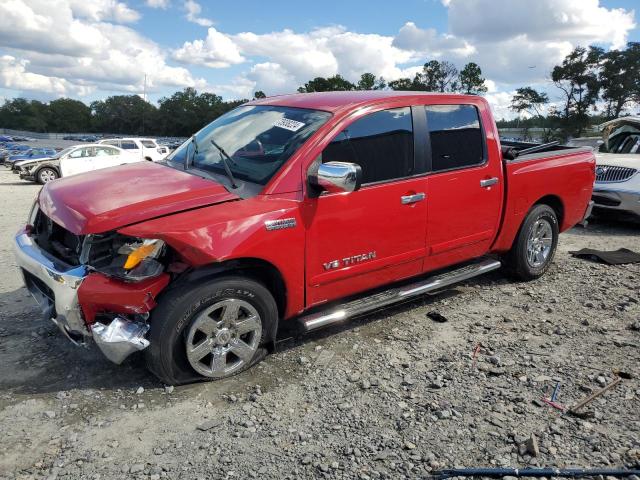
(336, 177)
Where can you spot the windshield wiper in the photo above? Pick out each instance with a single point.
(224, 156)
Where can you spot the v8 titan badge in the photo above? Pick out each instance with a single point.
(348, 261)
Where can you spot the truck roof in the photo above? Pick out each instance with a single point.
(335, 101)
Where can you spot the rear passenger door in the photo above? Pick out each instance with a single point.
(376, 235)
(465, 186)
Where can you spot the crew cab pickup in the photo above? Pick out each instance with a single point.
(307, 209)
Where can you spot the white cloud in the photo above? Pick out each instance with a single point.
(89, 54)
(430, 42)
(157, 3)
(577, 21)
(215, 51)
(193, 14)
(100, 10)
(14, 75)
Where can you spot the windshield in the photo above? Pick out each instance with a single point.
(257, 139)
(64, 152)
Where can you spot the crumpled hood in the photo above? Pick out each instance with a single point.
(107, 199)
(31, 161)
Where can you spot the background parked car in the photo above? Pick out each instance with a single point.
(617, 184)
(73, 160)
(145, 148)
(12, 149)
(32, 154)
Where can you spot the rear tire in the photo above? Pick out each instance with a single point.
(210, 331)
(535, 246)
(46, 175)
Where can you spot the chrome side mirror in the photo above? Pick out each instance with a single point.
(336, 177)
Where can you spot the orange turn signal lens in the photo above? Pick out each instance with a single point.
(140, 253)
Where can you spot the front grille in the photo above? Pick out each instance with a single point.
(57, 240)
(611, 174)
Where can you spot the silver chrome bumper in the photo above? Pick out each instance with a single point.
(54, 285)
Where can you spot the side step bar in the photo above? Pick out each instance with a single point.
(362, 305)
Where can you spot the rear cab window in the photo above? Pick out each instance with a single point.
(380, 142)
(148, 143)
(455, 135)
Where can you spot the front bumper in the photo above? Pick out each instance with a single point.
(621, 200)
(55, 287)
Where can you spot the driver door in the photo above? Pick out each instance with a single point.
(77, 161)
(375, 235)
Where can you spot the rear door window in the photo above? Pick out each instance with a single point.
(381, 143)
(128, 145)
(148, 144)
(455, 135)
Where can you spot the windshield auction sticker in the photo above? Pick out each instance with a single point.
(289, 124)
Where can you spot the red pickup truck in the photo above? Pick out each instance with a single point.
(309, 208)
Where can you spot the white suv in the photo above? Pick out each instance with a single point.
(147, 148)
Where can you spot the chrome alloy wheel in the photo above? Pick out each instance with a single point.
(539, 242)
(223, 338)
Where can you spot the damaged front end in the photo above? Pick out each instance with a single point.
(93, 286)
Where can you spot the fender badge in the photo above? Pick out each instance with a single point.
(280, 224)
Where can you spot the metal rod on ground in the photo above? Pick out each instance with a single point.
(533, 472)
(594, 395)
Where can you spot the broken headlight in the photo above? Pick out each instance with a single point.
(126, 258)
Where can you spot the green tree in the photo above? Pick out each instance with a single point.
(577, 79)
(437, 77)
(259, 94)
(368, 81)
(186, 112)
(470, 79)
(401, 84)
(68, 115)
(529, 100)
(620, 78)
(321, 84)
(124, 114)
(22, 114)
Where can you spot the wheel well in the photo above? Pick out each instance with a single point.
(50, 167)
(148, 159)
(554, 202)
(255, 268)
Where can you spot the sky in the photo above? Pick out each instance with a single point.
(91, 49)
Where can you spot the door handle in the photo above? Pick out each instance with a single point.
(487, 182)
(416, 197)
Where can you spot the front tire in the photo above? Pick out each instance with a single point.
(210, 331)
(46, 175)
(535, 246)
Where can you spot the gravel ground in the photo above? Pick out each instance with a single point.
(392, 395)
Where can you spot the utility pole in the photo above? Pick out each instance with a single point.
(144, 100)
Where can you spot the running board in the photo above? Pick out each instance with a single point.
(362, 305)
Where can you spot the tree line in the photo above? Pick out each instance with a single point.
(435, 76)
(594, 86)
(181, 114)
(587, 79)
